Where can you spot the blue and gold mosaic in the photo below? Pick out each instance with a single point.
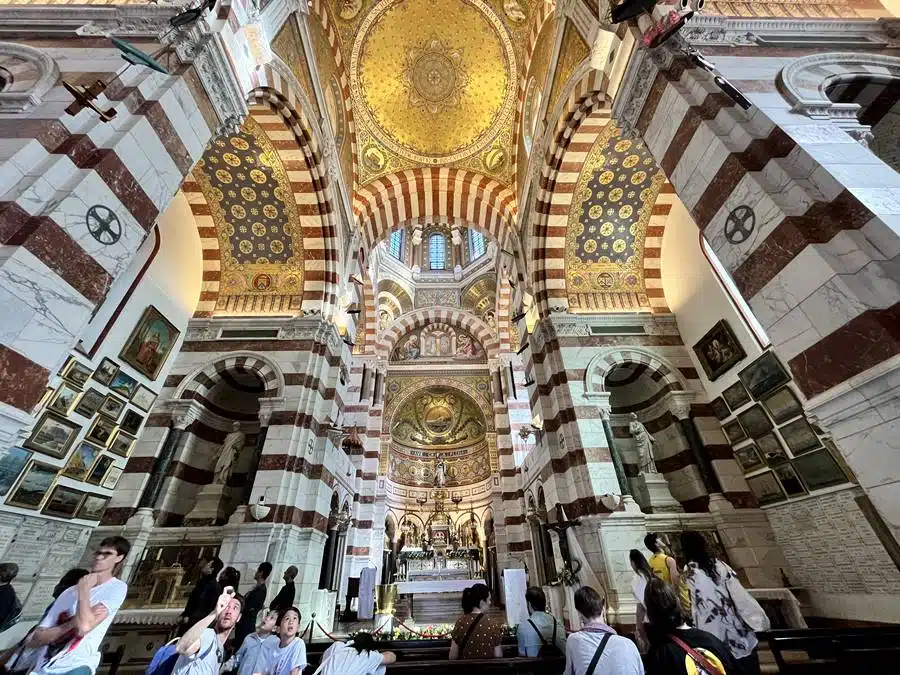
(256, 218)
(613, 202)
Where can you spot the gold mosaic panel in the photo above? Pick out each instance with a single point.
(289, 48)
(573, 51)
(257, 222)
(817, 9)
(612, 204)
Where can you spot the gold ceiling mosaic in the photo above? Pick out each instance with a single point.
(612, 205)
(433, 84)
(252, 204)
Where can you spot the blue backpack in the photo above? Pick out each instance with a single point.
(165, 658)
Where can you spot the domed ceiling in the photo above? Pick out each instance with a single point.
(433, 84)
(438, 424)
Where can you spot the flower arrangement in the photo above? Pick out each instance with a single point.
(567, 576)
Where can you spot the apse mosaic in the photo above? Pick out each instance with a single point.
(462, 466)
(435, 84)
(438, 343)
(613, 203)
(252, 204)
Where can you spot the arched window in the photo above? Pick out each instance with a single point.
(395, 244)
(437, 251)
(477, 246)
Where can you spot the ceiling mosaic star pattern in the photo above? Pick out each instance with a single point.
(433, 84)
(257, 223)
(613, 202)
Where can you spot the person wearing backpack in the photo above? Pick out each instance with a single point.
(201, 650)
(542, 634)
(596, 649)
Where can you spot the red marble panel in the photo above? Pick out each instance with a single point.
(22, 381)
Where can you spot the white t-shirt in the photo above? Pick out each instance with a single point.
(342, 659)
(83, 651)
(282, 660)
(254, 654)
(639, 588)
(619, 657)
(207, 660)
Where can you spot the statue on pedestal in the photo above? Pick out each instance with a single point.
(643, 442)
(440, 474)
(233, 442)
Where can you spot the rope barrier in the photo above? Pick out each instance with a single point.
(414, 632)
(382, 626)
(327, 634)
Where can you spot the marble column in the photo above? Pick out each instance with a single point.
(622, 479)
(170, 447)
(680, 407)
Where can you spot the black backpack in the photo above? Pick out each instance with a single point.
(548, 649)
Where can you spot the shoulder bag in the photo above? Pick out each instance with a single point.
(697, 657)
(547, 648)
(465, 640)
(598, 654)
(750, 611)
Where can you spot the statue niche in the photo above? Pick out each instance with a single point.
(438, 342)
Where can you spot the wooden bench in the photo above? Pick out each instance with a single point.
(516, 665)
(835, 651)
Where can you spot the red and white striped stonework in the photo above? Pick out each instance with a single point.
(320, 10)
(390, 201)
(424, 317)
(56, 167)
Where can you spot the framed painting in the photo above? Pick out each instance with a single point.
(98, 471)
(123, 384)
(106, 371)
(32, 487)
(799, 436)
(63, 502)
(719, 408)
(76, 372)
(791, 483)
(92, 507)
(736, 396)
(719, 350)
(143, 398)
(766, 488)
(111, 479)
(81, 461)
(90, 403)
(771, 449)
(112, 407)
(748, 457)
(122, 443)
(53, 435)
(132, 422)
(755, 421)
(819, 470)
(12, 462)
(839, 458)
(101, 431)
(150, 343)
(48, 392)
(64, 399)
(764, 375)
(734, 431)
(782, 405)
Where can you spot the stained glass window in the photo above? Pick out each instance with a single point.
(437, 251)
(395, 244)
(476, 244)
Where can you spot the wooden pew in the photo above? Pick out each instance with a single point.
(835, 651)
(507, 666)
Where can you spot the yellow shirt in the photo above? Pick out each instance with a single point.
(660, 569)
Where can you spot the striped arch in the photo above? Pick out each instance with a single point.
(198, 384)
(542, 13)
(272, 93)
(389, 201)
(585, 114)
(424, 317)
(318, 8)
(657, 368)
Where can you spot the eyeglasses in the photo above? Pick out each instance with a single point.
(104, 554)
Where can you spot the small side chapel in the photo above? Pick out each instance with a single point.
(410, 296)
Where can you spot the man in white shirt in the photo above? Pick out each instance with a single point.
(75, 625)
(202, 648)
(596, 649)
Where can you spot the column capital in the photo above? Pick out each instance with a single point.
(184, 412)
(267, 406)
(679, 403)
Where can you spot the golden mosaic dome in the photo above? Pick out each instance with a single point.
(433, 81)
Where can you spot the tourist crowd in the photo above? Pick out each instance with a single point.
(698, 620)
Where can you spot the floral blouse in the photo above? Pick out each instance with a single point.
(710, 605)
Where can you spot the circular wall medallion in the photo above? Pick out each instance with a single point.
(739, 224)
(103, 224)
(433, 91)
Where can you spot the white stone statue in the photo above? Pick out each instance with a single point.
(440, 474)
(233, 442)
(643, 442)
